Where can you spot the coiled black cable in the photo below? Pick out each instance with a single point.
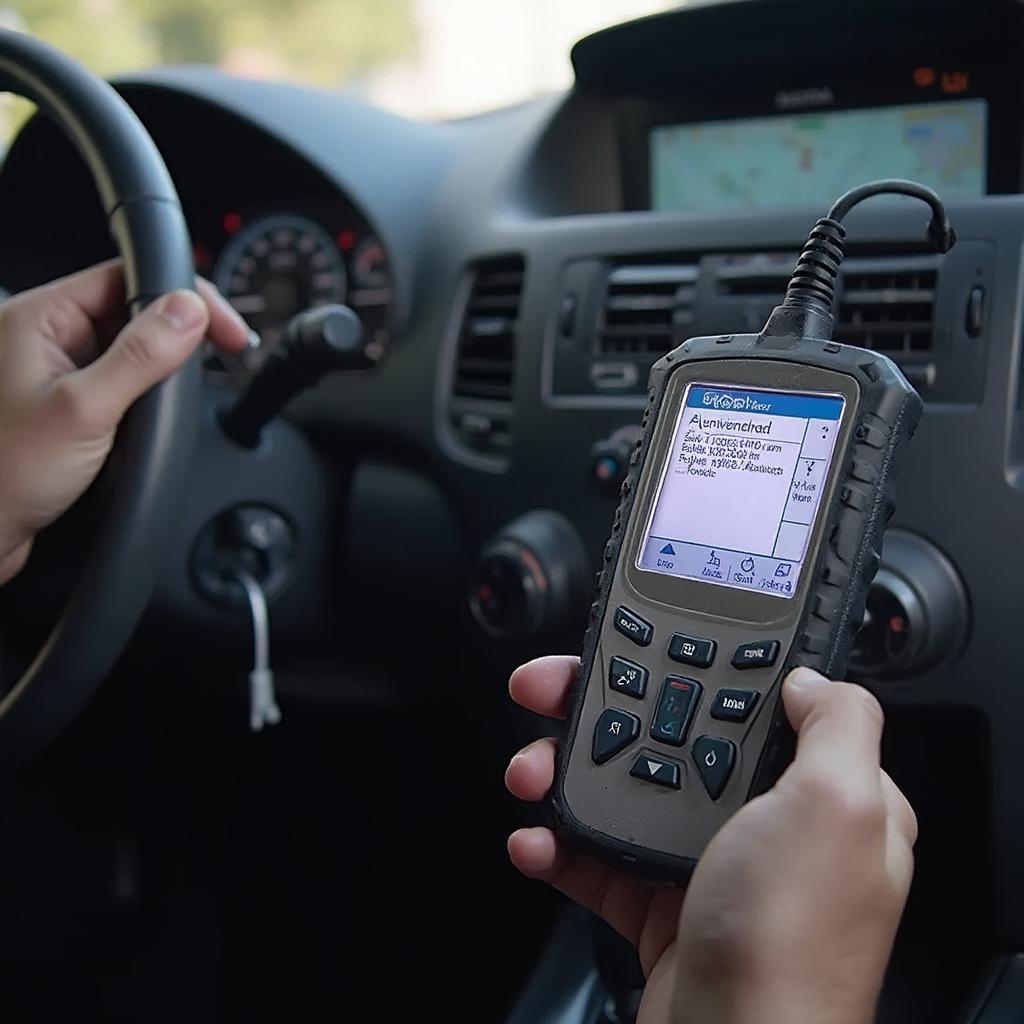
(810, 295)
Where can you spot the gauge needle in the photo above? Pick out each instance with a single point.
(248, 303)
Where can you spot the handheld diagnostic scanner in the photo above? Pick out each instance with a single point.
(745, 540)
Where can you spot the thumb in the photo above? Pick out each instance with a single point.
(838, 726)
(802, 690)
(153, 345)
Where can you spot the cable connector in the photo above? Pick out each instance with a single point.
(806, 311)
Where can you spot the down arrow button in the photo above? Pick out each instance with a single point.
(653, 768)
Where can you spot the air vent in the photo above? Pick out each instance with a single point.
(481, 397)
(888, 304)
(646, 308)
(752, 276)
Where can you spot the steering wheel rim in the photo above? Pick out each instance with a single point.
(156, 440)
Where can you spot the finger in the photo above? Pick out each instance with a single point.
(537, 853)
(227, 329)
(543, 685)
(151, 347)
(623, 901)
(530, 773)
(66, 311)
(660, 926)
(839, 730)
(98, 291)
(900, 812)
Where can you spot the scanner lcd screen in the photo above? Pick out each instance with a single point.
(742, 487)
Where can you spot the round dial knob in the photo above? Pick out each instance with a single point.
(532, 578)
(609, 459)
(917, 611)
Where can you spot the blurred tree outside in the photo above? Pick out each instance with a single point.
(324, 42)
(420, 58)
(321, 42)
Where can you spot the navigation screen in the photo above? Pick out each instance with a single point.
(763, 162)
(741, 487)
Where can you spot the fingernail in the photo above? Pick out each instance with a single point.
(806, 678)
(254, 341)
(183, 310)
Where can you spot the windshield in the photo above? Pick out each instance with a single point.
(422, 58)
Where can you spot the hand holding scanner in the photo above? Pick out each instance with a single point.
(744, 544)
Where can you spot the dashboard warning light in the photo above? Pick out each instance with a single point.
(924, 77)
(202, 258)
(955, 81)
(346, 240)
(231, 222)
(898, 624)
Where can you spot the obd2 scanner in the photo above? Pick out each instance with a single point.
(745, 540)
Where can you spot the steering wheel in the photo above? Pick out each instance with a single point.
(156, 440)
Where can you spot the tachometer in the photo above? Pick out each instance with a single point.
(278, 266)
(370, 266)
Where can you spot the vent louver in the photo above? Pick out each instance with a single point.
(926, 310)
(647, 308)
(481, 395)
(888, 304)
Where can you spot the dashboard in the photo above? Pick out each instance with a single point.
(521, 271)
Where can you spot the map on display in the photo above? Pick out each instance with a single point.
(765, 162)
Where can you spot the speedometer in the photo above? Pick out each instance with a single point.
(276, 267)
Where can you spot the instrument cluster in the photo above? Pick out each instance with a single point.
(271, 264)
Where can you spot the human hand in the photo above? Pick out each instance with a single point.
(791, 912)
(63, 391)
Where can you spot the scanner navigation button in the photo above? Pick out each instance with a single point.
(652, 768)
(615, 730)
(714, 758)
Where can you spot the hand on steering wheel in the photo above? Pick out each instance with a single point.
(64, 386)
(791, 912)
(155, 441)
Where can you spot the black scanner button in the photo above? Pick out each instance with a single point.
(652, 768)
(676, 705)
(756, 654)
(626, 676)
(628, 624)
(615, 730)
(714, 758)
(734, 705)
(692, 650)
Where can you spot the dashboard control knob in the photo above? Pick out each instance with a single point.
(917, 611)
(532, 578)
(609, 458)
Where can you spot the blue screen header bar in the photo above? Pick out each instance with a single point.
(766, 403)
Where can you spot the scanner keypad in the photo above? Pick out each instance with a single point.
(670, 709)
